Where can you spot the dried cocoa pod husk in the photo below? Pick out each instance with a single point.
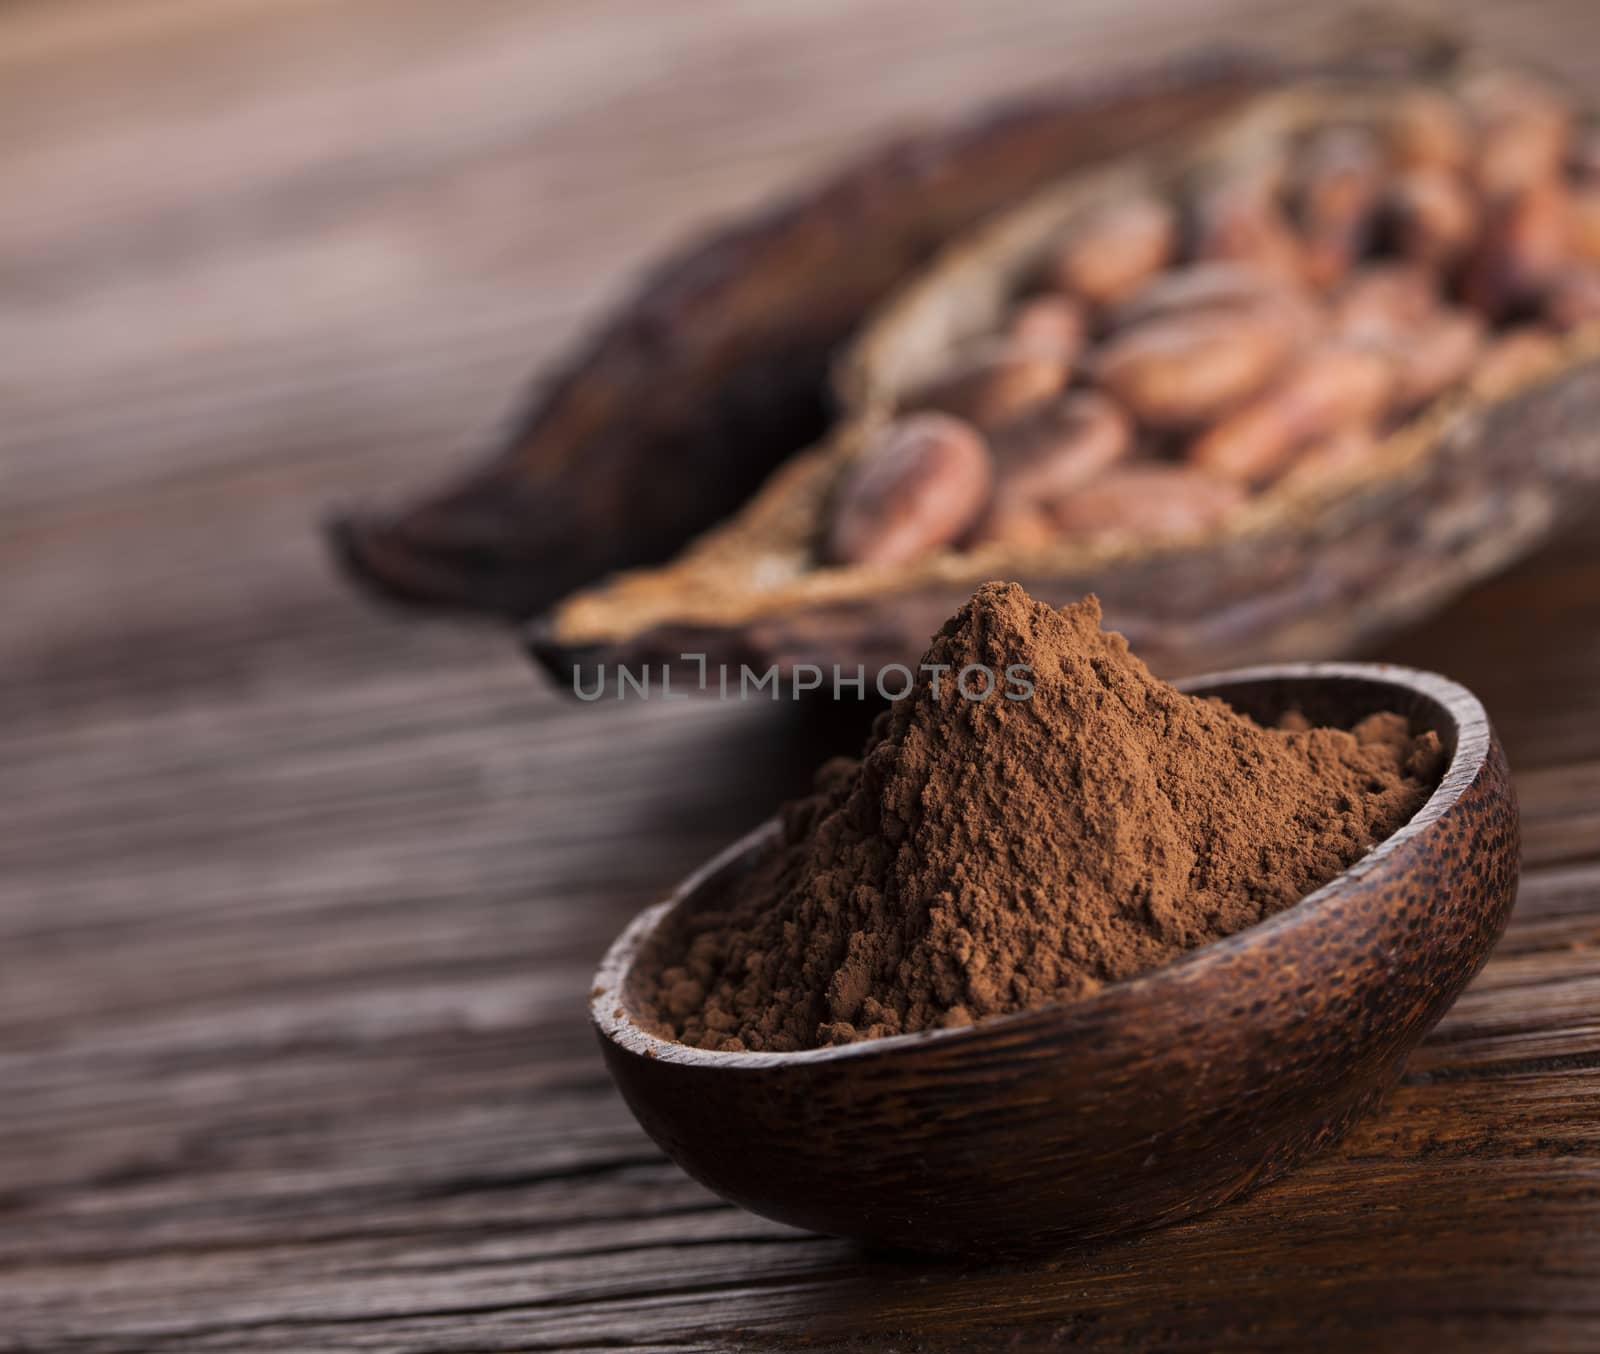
(1306, 566)
(716, 368)
(1452, 493)
(1350, 451)
(1517, 358)
(1290, 576)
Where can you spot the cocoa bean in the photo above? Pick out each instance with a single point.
(1572, 298)
(1346, 451)
(1583, 156)
(1057, 448)
(1339, 386)
(993, 383)
(1435, 356)
(1523, 136)
(1430, 130)
(1183, 370)
(1240, 221)
(1056, 325)
(1010, 521)
(1274, 352)
(1431, 217)
(1385, 301)
(918, 485)
(1115, 250)
(1201, 286)
(1341, 181)
(1584, 224)
(1147, 500)
(1393, 310)
(1526, 242)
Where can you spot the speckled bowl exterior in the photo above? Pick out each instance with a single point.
(1153, 1099)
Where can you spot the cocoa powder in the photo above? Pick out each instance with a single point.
(990, 855)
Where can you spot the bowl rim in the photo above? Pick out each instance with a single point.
(1473, 740)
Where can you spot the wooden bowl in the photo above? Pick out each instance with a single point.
(1153, 1099)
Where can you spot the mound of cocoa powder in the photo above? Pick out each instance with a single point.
(991, 855)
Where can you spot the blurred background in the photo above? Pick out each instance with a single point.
(299, 899)
(255, 257)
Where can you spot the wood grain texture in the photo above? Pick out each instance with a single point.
(299, 905)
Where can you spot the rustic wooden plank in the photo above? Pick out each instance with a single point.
(1528, 643)
(299, 904)
(484, 1236)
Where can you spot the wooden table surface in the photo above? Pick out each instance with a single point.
(299, 902)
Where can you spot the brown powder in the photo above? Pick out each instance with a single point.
(992, 855)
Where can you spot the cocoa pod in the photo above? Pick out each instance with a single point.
(1339, 386)
(1512, 360)
(1383, 529)
(1147, 500)
(1431, 216)
(919, 484)
(1115, 250)
(1054, 450)
(1525, 243)
(993, 383)
(1428, 129)
(1181, 370)
(715, 368)
(1050, 324)
(1319, 584)
(1341, 181)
